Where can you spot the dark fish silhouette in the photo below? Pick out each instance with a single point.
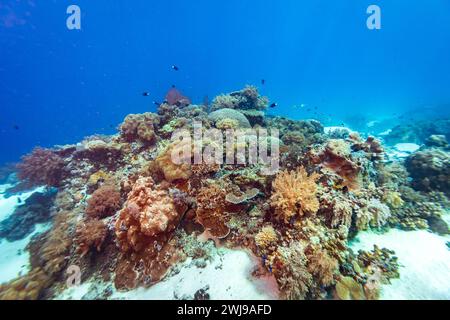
(146, 94)
(273, 105)
(16, 127)
(156, 103)
(175, 68)
(263, 82)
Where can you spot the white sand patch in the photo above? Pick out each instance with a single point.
(14, 259)
(407, 147)
(228, 277)
(8, 205)
(425, 263)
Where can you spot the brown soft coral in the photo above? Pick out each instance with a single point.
(294, 194)
(148, 212)
(323, 267)
(180, 169)
(104, 202)
(41, 167)
(336, 156)
(28, 287)
(140, 127)
(211, 206)
(90, 234)
(57, 244)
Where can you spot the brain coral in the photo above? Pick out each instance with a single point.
(140, 127)
(41, 167)
(294, 194)
(148, 212)
(218, 116)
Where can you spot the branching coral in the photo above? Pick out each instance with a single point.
(90, 234)
(140, 127)
(41, 167)
(104, 202)
(294, 194)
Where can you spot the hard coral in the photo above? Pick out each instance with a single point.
(90, 234)
(323, 267)
(294, 194)
(266, 237)
(246, 99)
(41, 167)
(104, 202)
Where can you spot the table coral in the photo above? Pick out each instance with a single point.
(294, 194)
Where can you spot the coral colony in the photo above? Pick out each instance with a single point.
(127, 209)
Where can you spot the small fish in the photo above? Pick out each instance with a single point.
(16, 127)
(263, 81)
(19, 200)
(174, 67)
(156, 103)
(273, 105)
(146, 94)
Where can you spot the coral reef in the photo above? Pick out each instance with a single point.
(430, 169)
(131, 206)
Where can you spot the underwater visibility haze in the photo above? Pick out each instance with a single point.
(117, 124)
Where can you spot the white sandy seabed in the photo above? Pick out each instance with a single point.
(424, 273)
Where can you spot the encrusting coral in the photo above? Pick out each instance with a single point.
(294, 194)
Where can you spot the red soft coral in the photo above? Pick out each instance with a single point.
(104, 202)
(41, 167)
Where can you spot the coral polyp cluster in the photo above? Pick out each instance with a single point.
(129, 208)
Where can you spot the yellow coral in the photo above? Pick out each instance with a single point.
(266, 237)
(227, 123)
(393, 199)
(98, 176)
(348, 289)
(28, 287)
(294, 194)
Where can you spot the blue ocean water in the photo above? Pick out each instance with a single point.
(59, 85)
